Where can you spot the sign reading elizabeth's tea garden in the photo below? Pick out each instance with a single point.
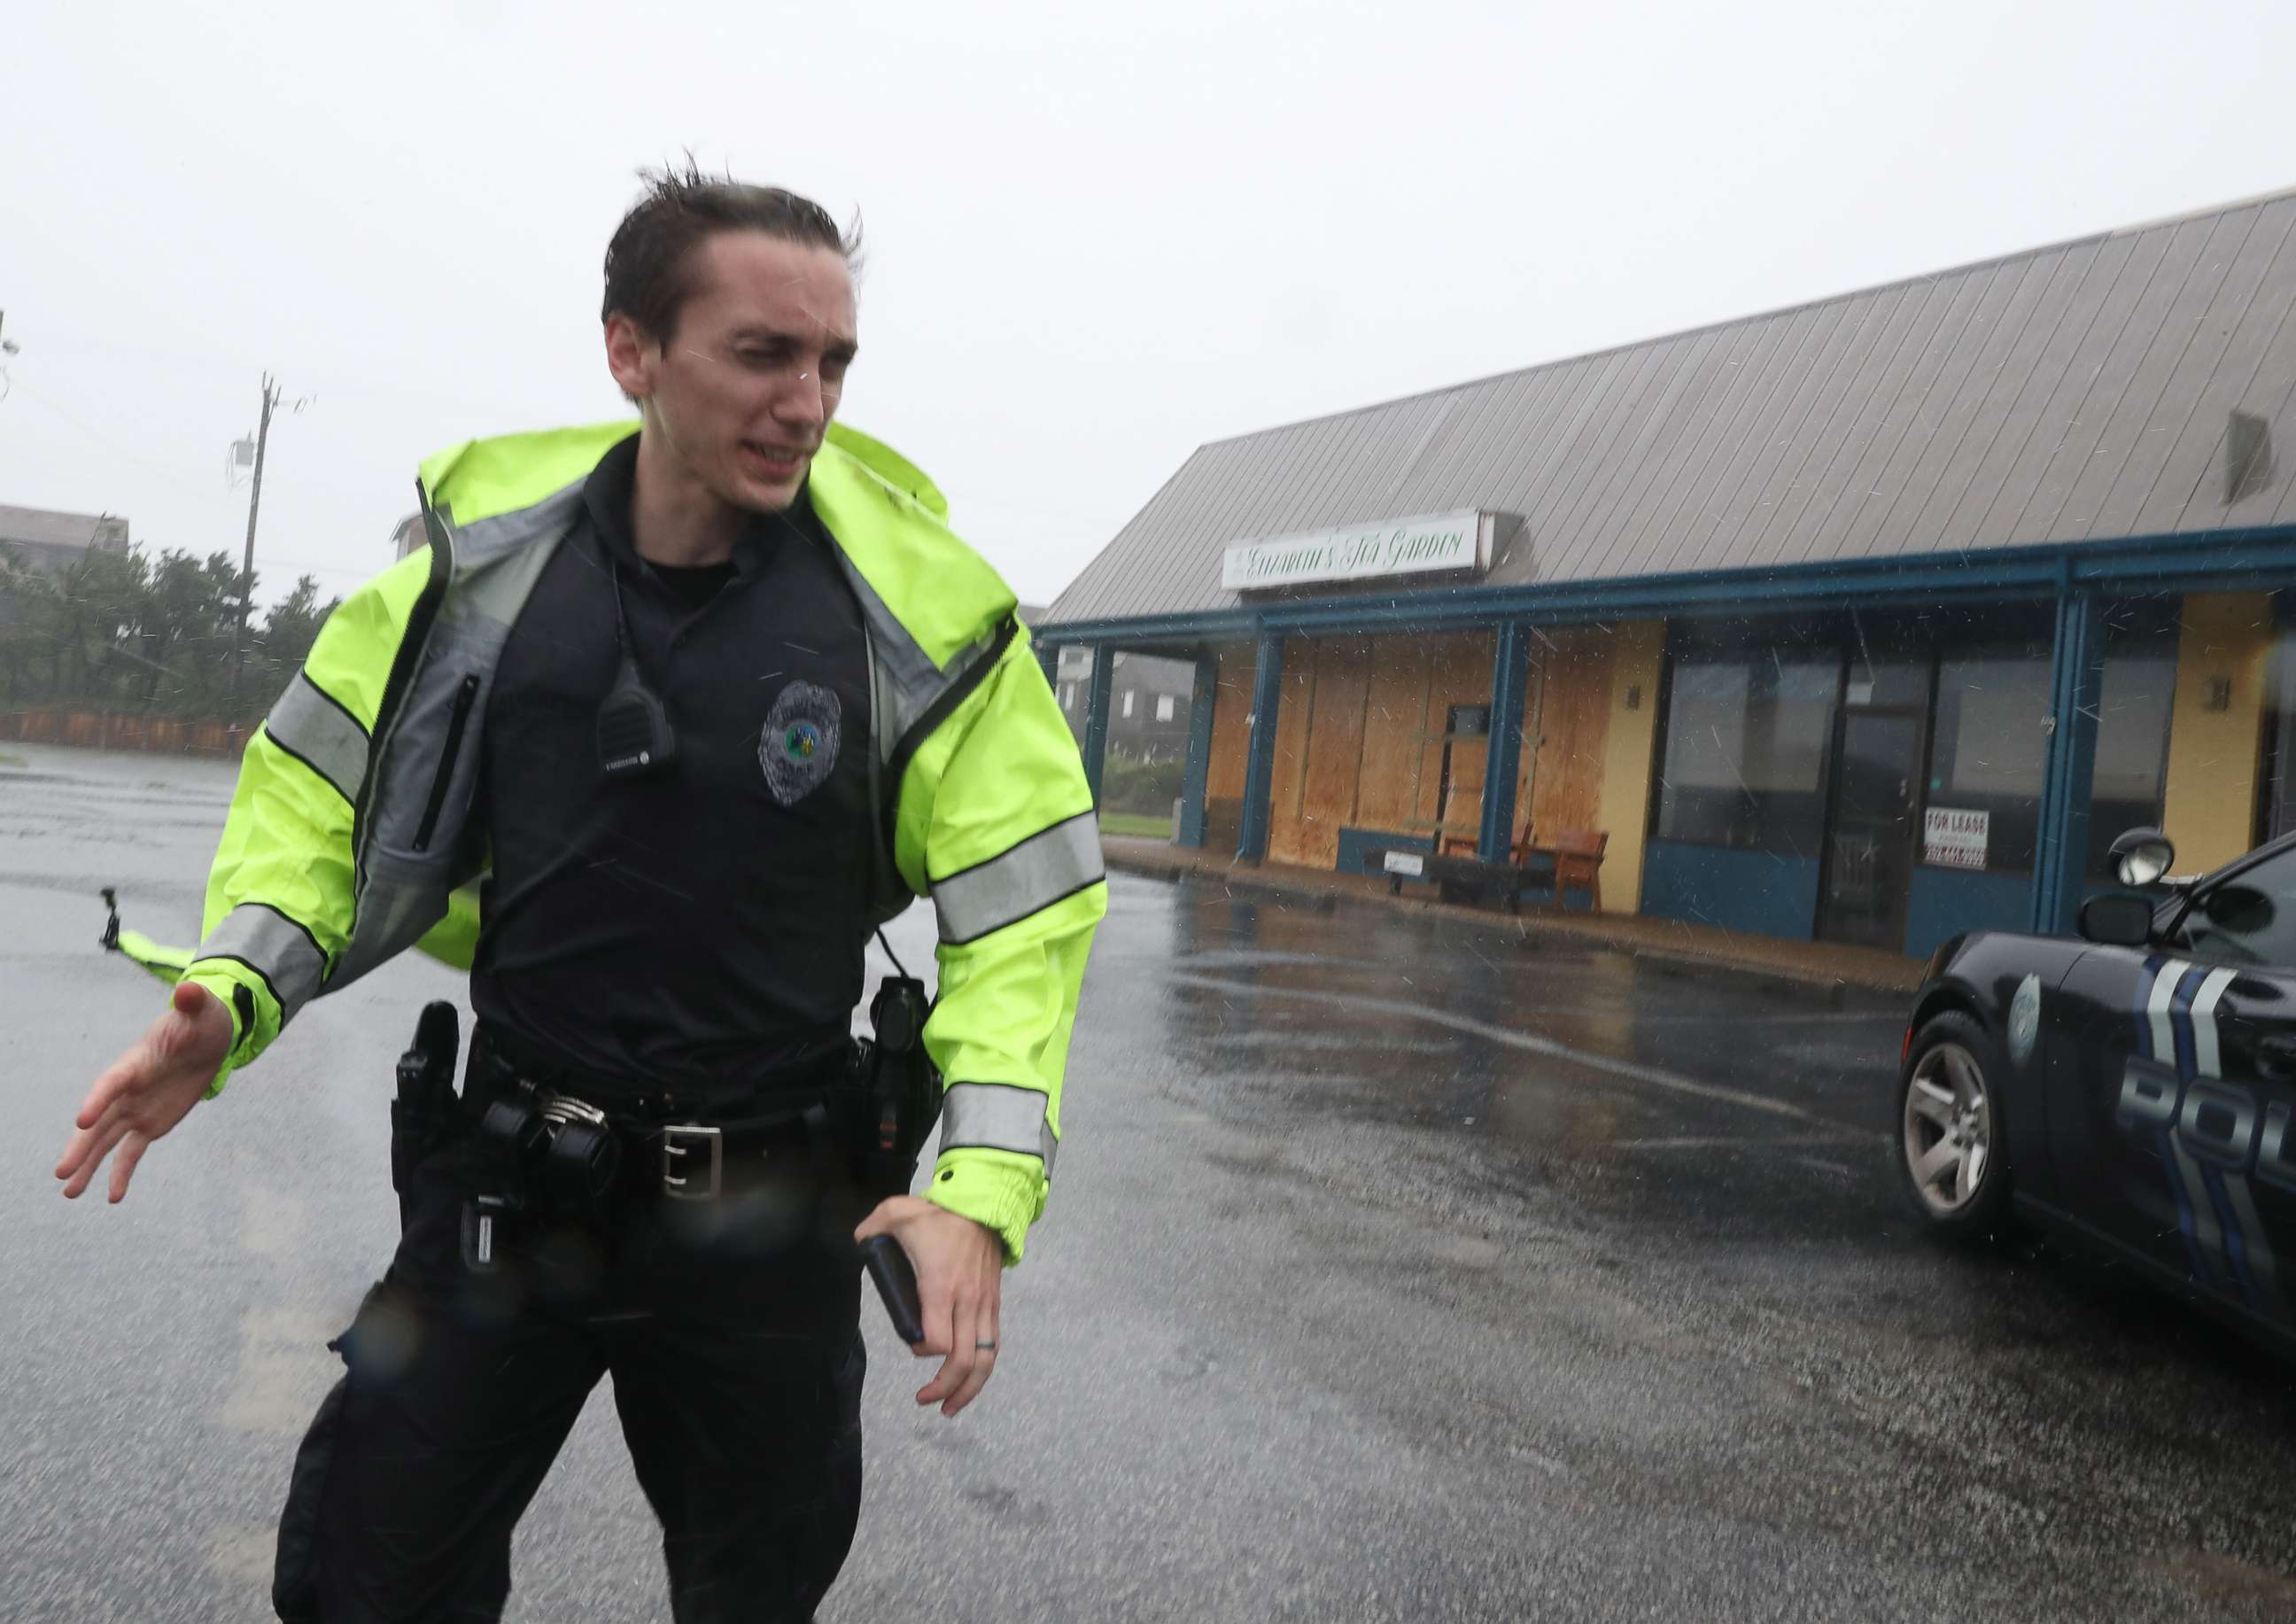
(1393, 546)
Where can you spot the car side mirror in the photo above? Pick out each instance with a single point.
(2141, 856)
(2116, 920)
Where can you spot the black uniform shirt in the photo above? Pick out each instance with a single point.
(704, 923)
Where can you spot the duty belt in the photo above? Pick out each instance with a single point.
(686, 1144)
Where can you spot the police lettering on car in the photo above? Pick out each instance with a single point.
(666, 721)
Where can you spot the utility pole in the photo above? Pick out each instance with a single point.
(254, 506)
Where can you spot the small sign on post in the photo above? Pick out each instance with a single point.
(1954, 838)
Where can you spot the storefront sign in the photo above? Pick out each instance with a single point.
(1394, 546)
(1955, 840)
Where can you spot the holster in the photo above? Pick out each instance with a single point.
(425, 1106)
(902, 1086)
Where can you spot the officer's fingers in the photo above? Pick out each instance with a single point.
(984, 1361)
(119, 1080)
(105, 1137)
(96, 1119)
(123, 1165)
(936, 1310)
(963, 1356)
(884, 1216)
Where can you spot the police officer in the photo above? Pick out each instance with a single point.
(697, 705)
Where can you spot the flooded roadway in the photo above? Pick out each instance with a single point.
(1400, 1265)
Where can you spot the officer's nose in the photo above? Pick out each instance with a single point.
(801, 403)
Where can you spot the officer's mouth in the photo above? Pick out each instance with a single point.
(773, 463)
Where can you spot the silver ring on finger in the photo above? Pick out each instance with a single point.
(986, 1345)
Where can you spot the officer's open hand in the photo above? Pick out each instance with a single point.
(148, 1089)
(960, 1271)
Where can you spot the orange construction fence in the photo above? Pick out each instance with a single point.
(113, 730)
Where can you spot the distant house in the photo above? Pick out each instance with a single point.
(1148, 702)
(52, 542)
(408, 536)
(1147, 707)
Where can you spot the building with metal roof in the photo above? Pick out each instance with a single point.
(2046, 483)
(53, 542)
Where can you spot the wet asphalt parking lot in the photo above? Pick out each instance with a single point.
(1401, 1266)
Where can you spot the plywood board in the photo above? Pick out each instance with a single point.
(1526, 757)
(1284, 829)
(1395, 717)
(1573, 727)
(1231, 710)
(1461, 676)
(1335, 736)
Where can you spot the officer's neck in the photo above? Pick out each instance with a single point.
(675, 520)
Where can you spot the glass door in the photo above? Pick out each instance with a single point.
(1869, 850)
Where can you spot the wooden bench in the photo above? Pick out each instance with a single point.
(1572, 862)
(1575, 862)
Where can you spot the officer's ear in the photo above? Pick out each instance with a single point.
(631, 356)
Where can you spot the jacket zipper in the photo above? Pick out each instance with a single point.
(463, 697)
(935, 714)
(413, 647)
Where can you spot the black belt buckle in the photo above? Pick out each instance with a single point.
(681, 1178)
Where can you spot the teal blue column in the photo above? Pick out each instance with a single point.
(1095, 715)
(1259, 759)
(1510, 673)
(2076, 680)
(1198, 776)
(1049, 657)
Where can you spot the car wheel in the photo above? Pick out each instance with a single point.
(1952, 1135)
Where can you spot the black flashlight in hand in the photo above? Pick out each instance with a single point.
(897, 1283)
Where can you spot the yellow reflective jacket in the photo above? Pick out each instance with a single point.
(350, 836)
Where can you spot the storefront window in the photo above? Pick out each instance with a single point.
(1746, 739)
(2132, 736)
(1992, 741)
(1992, 745)
(2275, 806)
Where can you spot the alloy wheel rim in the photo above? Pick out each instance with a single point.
(1949, 1130)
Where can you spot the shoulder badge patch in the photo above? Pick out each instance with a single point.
(800, 743)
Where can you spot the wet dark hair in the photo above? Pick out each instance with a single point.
(647, 277)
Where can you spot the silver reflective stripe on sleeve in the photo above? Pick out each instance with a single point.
(321, 734)
(997, 1117)
(1033, 875)
(276, 948)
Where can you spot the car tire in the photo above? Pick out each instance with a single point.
(1949, 1133)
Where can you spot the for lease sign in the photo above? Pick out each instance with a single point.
(1952, 839)
(1392, 546)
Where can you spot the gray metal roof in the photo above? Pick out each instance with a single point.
(42, 527)
(2073, 393)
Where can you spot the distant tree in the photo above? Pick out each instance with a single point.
(133, 631)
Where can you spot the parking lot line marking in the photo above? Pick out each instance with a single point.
(1786, 1142)
(1530, 1044)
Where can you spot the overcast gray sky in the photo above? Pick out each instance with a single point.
(1098, 237)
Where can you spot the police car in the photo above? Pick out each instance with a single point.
(2133, 1088)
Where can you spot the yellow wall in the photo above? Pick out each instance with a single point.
(1629, 766)
(2209, 802)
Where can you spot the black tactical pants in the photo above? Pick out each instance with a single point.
(731, 1329)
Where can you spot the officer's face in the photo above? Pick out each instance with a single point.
(742, 392)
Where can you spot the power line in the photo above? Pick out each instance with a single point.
(173, 475)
